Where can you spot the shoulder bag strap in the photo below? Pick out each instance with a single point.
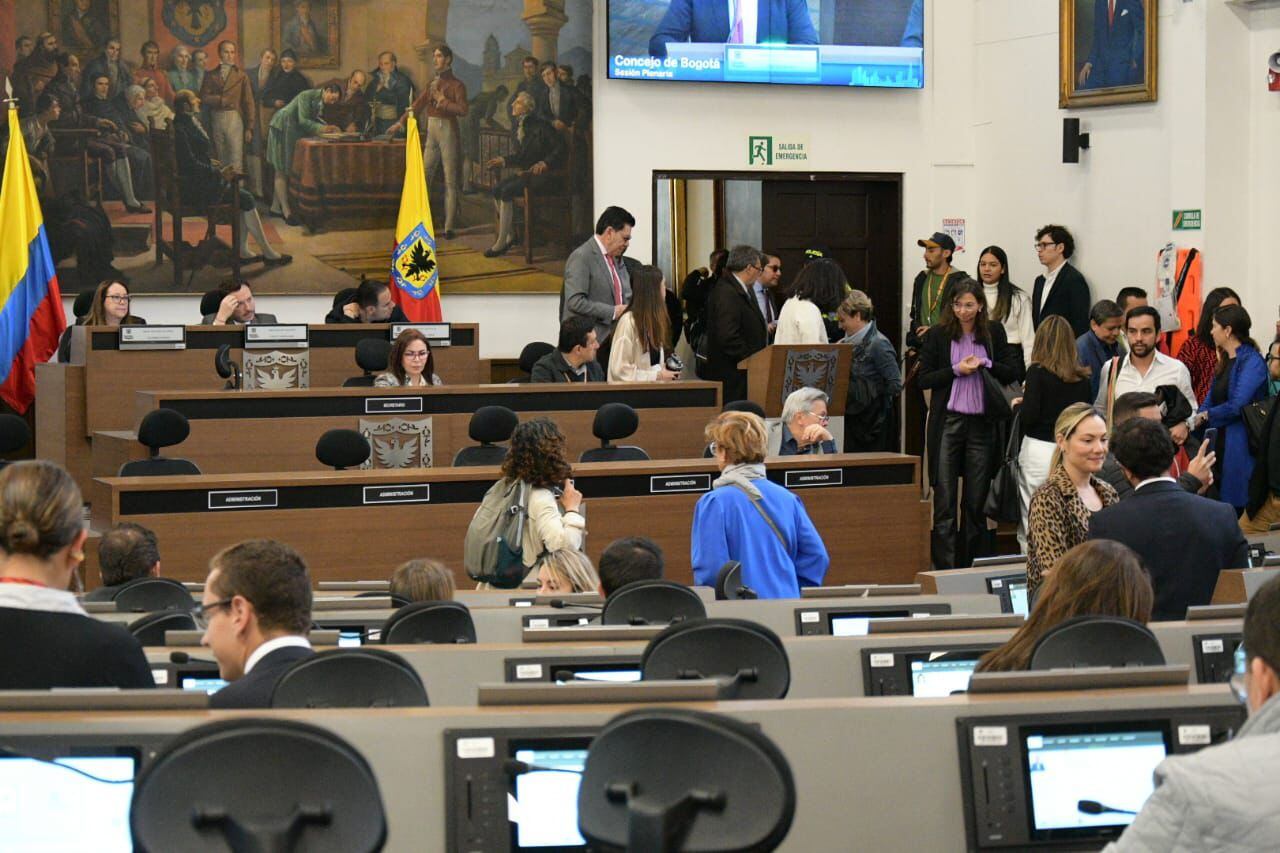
(1111, 386)
(755, 502)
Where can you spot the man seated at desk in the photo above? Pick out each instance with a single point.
(236, 307)
(802, 430)
(256, 612)
(371, 303)
(574, 360)
(125, 553)
(734, 22)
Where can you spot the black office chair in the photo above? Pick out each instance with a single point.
(396, 600)
(150, 629)
(254, 784)
(749, 655)
(15, 434)
(350, 678)
(717, 784)
(341, 449)
(148, 595)
(613, 422)
(737, 406)
(445, 622)
(651, 602)
(528, 358)
(210, 302)
(729, 586)
(489, 425)
(228, 369)
(1096, 641)
(159, 429)
(372, 356)
(83, 304)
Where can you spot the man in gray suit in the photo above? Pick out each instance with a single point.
(237, 307)
(596, 282)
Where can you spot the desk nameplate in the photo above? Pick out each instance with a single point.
(439, 334)
(393, 405)
(243, 499)
(676, 483)
(152, 337)
(810, 478)
(276, 336)
(415, 493)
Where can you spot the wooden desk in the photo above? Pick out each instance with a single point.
(260, 431)
(96, 390)
(1237, 586)
(868, 511)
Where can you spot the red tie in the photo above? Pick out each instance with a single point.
(617, 282)
(1111, 13)
(736, 34)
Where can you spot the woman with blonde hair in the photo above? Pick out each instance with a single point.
(746, 518)
(567, 570)
(1058, 519)
(1095, 578)
(1055, 380)
(422, 580)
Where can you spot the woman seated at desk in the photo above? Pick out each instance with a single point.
(411, 365)
(422, 580)
(1098, 578)
(638, 349)
(110, 307)
(565, 571)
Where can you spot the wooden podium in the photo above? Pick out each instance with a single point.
(776, 371)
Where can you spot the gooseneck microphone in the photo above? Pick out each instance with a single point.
(183, 657)
(561, 604)
(1095, 807)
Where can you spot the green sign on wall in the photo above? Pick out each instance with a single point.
(1186, 220)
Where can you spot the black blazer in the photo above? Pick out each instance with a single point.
(44, 650)
(1069, 298)
(735, 330)
(254, 690)
(1184, 540)
(936, 374)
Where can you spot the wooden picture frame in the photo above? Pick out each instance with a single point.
(1094, 74)
(316, 43)
(87, 39)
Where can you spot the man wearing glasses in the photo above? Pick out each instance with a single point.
(736, 328)
(1062, 289)
(255, 612)
(1224, 796)
(764, 287)
(802, 429)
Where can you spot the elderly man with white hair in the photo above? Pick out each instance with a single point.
(802, 429)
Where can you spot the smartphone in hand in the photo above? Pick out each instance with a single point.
(1211, 438)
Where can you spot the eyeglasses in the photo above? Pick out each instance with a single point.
(124, 299)
(416, 354)
(822, 419)
(1239, 683)
(202, 611)
(1043, 245)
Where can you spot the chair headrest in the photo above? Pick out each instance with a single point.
(163, 428)
(492, 424)
(14, 433)
(372, 354)
(744, 406)
(531, 353)
(222, 362)
(210, 301)
(83, 303)
(342, 448)
(615, 421)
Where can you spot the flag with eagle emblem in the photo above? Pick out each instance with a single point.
(415, 274)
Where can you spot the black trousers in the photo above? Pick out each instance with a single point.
(968, 451)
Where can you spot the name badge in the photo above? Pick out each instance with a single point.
(438, 334)
(152, 337)
(808, 478)
(418, 493)
(276, 336)
(244, 499)
(393, 405)
(674, 483)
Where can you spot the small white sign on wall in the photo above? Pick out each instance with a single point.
(954, 228)
(777, 152)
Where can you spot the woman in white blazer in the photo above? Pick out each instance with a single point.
(638, 349)
(818, 290)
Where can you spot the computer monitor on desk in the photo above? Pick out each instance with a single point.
(514, 789)
(617, 668)
(1012, 591)
(855, 621)
(1072, 778)
(939, 670)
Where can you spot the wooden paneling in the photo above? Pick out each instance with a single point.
(60, 411)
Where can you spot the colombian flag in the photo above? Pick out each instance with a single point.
(31, 318)
(414, 272)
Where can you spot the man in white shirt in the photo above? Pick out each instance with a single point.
(1146, 369)
(256, 613)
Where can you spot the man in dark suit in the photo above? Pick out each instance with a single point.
(256, 612)
(752, 22)
(1184, 540)
(126, 553)
(1117, 53)
(735, 326)
(557, 104)
(539, 153)
(1062, 289)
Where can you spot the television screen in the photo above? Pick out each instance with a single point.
(544, 804)
(70, 803)
(801, 42)
(943, 676)
(858, 623)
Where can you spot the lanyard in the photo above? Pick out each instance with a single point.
(937, 297)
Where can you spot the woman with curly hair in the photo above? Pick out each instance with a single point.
(537, 459)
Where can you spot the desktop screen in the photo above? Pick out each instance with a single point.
(616, 676)
(1018, 598)
(1083, 782)
(544, 805)
(934, 678)
(208, 684)
(859, 623)
(68, 804)
(815, 42)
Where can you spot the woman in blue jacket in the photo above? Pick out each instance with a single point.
(746, 518)
(1241, 379)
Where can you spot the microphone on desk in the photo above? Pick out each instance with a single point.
(1095, 807)
(183, 657)
(561, 604)
(514, 768)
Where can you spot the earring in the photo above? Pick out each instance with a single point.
(78, 556)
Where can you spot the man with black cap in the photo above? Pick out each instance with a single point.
(929, 291)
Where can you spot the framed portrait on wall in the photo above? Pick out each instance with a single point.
(309, 28)
(1107, 52)
(198, 24)
(83, 26)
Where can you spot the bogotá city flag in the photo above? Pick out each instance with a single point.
(415, 272)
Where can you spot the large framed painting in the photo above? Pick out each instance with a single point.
(83, 26)
(197, 24)
(309, 28)
(1107, 52)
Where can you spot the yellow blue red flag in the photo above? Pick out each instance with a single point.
(31, 316)
(415, 271)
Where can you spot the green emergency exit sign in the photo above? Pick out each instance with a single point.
(1186, 220)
